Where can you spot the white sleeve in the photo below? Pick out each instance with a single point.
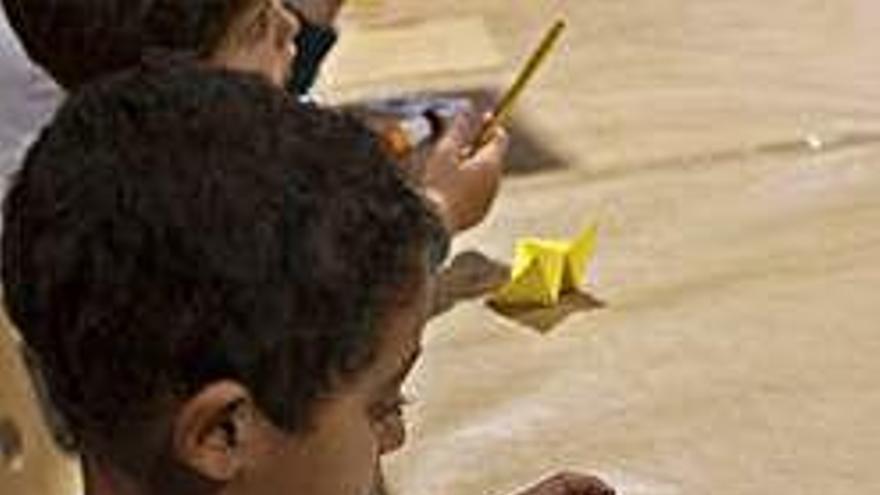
(28, 98)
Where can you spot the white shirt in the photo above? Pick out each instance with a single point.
(28, 98)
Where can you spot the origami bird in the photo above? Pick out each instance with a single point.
(543, 269)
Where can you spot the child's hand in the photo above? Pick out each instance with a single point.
(570, 484)
(463, 184)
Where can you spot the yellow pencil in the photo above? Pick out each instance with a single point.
(503, 108)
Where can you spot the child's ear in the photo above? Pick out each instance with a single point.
(212, 429)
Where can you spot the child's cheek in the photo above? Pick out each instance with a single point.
(356, 466)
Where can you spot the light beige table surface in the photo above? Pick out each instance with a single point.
(732, 153)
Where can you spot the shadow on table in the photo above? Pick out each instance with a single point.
(472, 275)
(545, 319)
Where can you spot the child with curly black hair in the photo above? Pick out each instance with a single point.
(224, 289)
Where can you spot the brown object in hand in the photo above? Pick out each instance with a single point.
(505, 105)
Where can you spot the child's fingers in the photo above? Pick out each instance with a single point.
(488, 127)
(493, 151)
(454, 140)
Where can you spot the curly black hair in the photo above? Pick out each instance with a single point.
(173, 227)
(79, 40)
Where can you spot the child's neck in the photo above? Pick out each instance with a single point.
(102, 479)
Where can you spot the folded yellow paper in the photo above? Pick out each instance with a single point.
(543, 269)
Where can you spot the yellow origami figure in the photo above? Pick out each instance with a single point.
(543, 269)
